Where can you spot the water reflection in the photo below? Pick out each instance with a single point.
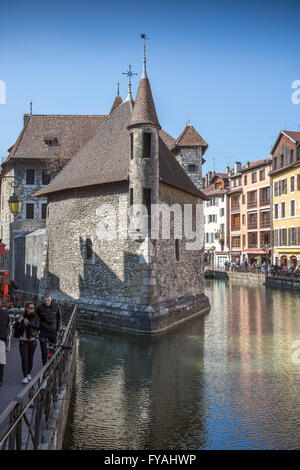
(223, 381)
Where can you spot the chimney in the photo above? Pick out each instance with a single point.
(248, 164)
(209, 176)
(227, 170)
(25, 119)
(237, 167)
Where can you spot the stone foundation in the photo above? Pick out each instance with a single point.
(141, 319)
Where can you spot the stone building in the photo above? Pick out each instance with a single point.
(131, 280)
(45, 143)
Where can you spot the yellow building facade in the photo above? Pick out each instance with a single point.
(285, 183)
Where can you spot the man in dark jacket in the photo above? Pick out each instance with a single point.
(49, 315)
(4, 322)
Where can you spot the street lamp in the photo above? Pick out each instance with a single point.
(14, 202)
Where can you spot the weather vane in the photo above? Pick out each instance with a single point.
(143, 36)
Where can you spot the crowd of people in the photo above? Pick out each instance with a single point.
(265, 267)
(35, 324)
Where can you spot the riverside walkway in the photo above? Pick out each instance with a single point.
(12, 380)
(33, 416)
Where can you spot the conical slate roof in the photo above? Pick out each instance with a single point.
(116, 103)
(189, 137)
(144, 111)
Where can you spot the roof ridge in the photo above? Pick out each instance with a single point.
(69, 115)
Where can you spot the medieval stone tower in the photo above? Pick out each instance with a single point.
(143, 165)
(188, 150)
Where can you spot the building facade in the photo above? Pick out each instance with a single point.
(45, 143)
(249, 212)
(216, 219)
(285, 178)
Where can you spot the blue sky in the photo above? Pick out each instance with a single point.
(227, 65)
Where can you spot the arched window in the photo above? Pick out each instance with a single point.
(88, 249)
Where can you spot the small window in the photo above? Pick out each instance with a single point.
(29, 176)
(253, 177)
(88, 249)
(192, 168)
(147, 145)
(292, 181)
(130, 196)
(131, 146)
(44, 211)
(177, 252)
(276, 211)
(45, 177)
(51, 141)
(292, 208)
(147, 203)
(262, 174)
(29, 211)
(283, 209)
(243, 199)
(245, 179)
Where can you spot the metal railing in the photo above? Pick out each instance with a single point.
(26, 420)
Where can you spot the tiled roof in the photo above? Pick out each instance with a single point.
(291, 134)
(210, 191)
(105, 159)
(189, 137)
(71, 132)
(144, 111)
(257, 163)
(117, 101)
(294, 135)
(167, 138)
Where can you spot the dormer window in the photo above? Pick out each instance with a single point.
(51, 141)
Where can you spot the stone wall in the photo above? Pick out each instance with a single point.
(191, 156)
(28, 260)
(126, 284)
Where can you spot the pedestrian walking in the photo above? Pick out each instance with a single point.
(27, 329)
(49, 315)
(4, 322)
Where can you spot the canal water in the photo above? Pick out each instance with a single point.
(223, 381)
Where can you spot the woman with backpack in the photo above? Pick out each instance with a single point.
(27, 329)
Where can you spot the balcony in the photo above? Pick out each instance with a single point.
(265, 224)
(251, 204)
(234, 228)
(252, 225)
(264, 202)
(235, 207)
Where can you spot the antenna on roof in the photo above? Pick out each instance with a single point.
(30, 108)
(143, 36)
(214, 164)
